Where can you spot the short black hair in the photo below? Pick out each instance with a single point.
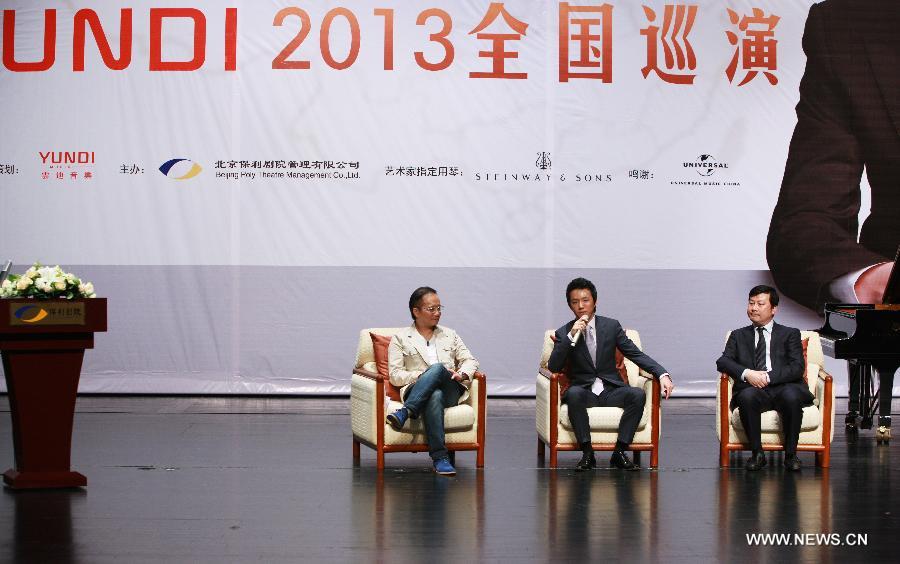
(763, 289)
(581, 284)
(416, 298)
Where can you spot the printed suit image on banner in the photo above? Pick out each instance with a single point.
(251, 184)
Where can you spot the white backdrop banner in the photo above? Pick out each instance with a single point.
(252, 183)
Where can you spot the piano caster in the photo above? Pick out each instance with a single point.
(883, 435)
(850, 422)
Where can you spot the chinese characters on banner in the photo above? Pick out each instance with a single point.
(677, 23)
(585, 41)
(757, 50)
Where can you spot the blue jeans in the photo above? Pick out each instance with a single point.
(434, 391)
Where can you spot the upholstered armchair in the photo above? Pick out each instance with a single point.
(555, 430)
(816, 430)
(372, 397)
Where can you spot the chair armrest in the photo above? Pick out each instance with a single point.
(823, 386)
(724, 389)
(370, 375)
(723, 413)
(644, 374)
(545, 372)
(367, 404)
(477, 394)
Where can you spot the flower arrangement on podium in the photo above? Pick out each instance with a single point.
(46, 282)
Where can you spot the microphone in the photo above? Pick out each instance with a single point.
(578, 333)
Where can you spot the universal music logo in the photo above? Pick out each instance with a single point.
(543, 164)
(706, 165)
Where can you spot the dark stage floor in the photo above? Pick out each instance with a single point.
(239, 480)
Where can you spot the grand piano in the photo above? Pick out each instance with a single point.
(868, 337)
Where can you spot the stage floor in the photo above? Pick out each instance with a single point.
(270, 479)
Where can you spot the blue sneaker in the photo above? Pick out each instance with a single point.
(398, 418)
(443, 467)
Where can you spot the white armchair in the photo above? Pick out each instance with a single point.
(555, 430)
(370, 402)
(816, 429)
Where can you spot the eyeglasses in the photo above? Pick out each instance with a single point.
(433, 309)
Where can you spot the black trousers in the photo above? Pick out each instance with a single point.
(787, 399)
(629, 398)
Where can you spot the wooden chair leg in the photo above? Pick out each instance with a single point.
(723, 451)
(479, 457)
(553, 456)
(452, 456)
(355, 452)
(825, 462)
(379, 459)
(654, 457)
(637, 457)
(540, 450)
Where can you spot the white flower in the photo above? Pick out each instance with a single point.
(51, 280)
(47, 272)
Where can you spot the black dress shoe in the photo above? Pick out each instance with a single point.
(792, 463)
(756, 461)
(587, 462)
(620, 460)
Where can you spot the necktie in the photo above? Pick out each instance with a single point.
(591, 342)
(759, 355)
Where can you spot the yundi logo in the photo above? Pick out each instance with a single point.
(67, 157)
(180, 169)
(31, 314)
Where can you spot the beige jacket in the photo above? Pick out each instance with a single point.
(406, 362)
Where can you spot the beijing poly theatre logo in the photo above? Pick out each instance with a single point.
(30, 314)
(180, 169)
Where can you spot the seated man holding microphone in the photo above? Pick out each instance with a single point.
(589, 345)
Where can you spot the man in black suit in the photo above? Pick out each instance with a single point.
(848, 118)
(765, 361)
(594, 380)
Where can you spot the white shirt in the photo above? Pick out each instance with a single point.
(431, 354)
(767, 331)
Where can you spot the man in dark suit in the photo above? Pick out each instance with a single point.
(594, 380)
(765, 361)
(848, 118)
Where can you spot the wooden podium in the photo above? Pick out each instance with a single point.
(42, 344)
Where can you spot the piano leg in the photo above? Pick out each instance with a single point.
(853, 399)
(886, 377)
(868, 395)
